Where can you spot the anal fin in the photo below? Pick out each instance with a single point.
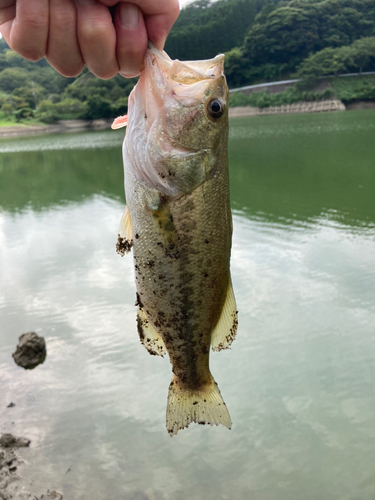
(148, 335)
(226, 328)
(125, 234)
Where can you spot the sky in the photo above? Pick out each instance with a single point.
(185, 2)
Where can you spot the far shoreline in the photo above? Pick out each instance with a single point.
(70, 126)
(62, 126)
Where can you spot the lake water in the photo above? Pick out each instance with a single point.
(299, 380)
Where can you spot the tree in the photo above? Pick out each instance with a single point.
(11, 78)
(364, 53)
(290, 33)
(334, 61)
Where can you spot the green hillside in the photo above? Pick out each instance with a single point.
(206, 28)
(264, 40)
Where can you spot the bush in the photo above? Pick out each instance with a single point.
(120, 107)
(264, 99)
(11, 78)
(355, 88)
(47, 116)
(98, 107)
(47, 112)
(71, 109)
(7, 108)
(24, 114)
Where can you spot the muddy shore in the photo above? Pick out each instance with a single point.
(63, 126)
(11, 485)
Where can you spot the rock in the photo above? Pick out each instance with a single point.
(31, 351)
(52, 495)
(11, 405)
(10, 441)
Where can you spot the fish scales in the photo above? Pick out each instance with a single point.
(179, 223)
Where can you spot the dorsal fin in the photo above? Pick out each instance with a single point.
(226, 328)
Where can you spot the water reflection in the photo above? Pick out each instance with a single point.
(299, 379)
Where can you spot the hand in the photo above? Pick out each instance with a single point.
(74, 33)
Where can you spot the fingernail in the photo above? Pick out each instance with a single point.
(129, 16)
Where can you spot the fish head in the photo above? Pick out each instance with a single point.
(181, 111)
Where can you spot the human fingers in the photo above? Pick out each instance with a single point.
(7, 15)
(159, 17)
(97, 38)
(63, 52)
(158, 25)
(131, 39)
(27, 31)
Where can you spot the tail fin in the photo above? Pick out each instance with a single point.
(203, 407)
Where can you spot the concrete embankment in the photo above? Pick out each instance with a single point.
(62, 126)
(298, 107)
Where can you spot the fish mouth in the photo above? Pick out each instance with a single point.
(186, 82)
(186, 72)
(171, 139)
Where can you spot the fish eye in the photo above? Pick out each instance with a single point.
(215, 108)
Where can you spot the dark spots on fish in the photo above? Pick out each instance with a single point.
(206, 241)
(160, 313)
(204, 400)
(173, 255)
(138, 302)
(161, 277)
(195, 403)
(205, 275)
(233, 330)
(123, 245)
(140, 328)
(136, 236)
(171, 218)
(159, 243)
(145, 116)
(150, 264)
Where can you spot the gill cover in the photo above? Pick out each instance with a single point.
(177, 120)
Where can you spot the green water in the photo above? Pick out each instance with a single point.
(299, 380)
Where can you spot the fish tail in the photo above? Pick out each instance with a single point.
(203, 406)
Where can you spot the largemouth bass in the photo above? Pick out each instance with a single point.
(179, 224)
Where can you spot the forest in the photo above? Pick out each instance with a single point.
(263, 40)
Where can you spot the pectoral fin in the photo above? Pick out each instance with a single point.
(226, 328)
(120, 122)
(125, 234)
(148, 335)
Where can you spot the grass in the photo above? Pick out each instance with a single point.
(354, 88)
(11, 122)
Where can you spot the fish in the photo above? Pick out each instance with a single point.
(178, 223)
